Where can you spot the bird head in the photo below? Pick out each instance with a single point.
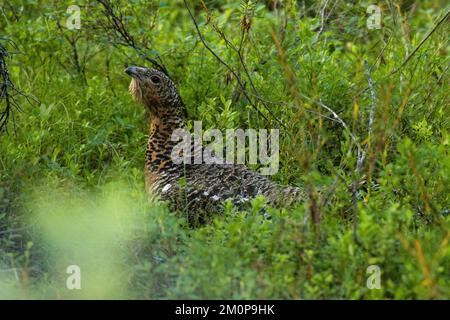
(155, 90)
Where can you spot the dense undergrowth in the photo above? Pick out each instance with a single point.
(71, 166)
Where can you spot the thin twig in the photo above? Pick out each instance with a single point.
(382, 50)
(335, 118)
(238, 79)
(117, 25)
(362, 155)
(244, 66)
(322, 16)
(408, 58)
(8, 90)
(374, 100)
(427, 36)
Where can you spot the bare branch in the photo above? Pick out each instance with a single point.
(5, 90)
(241, 84)
(335, 118)
(116, 24)
(427, 36)
(408, 58)
(322, 16)
(244, 66)
(8, 90)
(362, 154)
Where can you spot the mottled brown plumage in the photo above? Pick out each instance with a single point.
(199, 189)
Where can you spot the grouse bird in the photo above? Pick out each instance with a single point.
(198, 189)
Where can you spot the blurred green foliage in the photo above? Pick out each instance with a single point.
(71, 167)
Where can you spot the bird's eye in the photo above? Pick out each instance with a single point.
(155, 79)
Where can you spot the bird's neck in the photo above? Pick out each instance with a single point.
(164, 125)
(161, 143)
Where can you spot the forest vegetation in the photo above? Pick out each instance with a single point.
(363, 111)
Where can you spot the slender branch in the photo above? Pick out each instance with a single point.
(6, 88)
(247, 73)
(223, 63)
(335, 118)
(374, 98)
(427, 36)
(322, 16)
(8, 91)
(408, 58)
(382, 50)
(116, 23)
(362, 155)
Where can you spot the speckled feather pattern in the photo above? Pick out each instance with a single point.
(199, 189)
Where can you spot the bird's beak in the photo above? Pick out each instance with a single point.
(135, 72)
